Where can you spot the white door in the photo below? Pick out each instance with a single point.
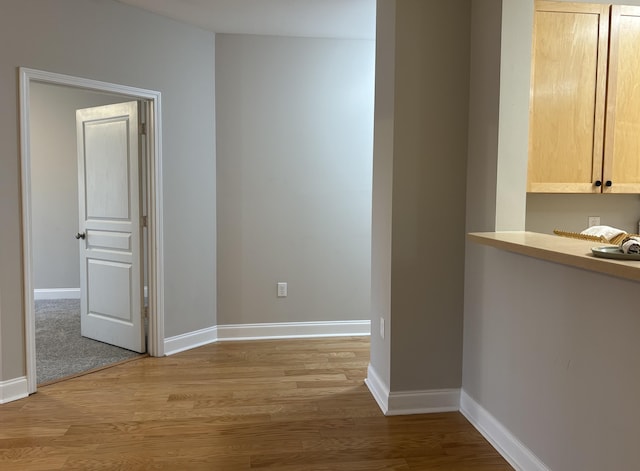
(110, 225)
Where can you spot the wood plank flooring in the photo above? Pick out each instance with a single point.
(284, 405)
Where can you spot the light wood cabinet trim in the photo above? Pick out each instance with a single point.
(622, 188)
(563, 188)
(611, 98)
(571, 7)
(601, 96)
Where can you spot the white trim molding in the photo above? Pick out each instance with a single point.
(411, 402)
(64, 293)
(13, 389)
(286, 330)
(197, 338)
(511, 449)
(379, 389)
(56, 293)
(423, 401)
(281, 330)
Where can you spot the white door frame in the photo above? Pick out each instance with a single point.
(154, 205)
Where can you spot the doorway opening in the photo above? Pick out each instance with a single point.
(152, 201)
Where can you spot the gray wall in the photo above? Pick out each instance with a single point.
(108, 41)
(552, 353)
(426, 160)
(513, 130)
(546, 212)
(382, 191)
(54, 181)
(295, 139)
(484, 98)
(498, 115)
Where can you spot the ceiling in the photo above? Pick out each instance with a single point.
(349, 19)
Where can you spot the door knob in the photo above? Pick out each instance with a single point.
(80, 235)
(608, 183)
(598, 183)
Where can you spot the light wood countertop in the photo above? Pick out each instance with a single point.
(553, 248)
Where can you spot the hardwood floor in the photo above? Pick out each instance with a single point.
(279, 405)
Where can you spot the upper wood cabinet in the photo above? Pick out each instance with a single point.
(584, 132)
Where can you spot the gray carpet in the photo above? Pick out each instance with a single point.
(60, 349)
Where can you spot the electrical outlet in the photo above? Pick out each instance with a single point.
(594, 221)
(282, 289)
(382, 327)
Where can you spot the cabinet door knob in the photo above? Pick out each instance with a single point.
(80, 235)
(608, 183)
(598, 183)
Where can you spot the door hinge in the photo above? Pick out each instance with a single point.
(143, 221)
(143, 129)
(145, 312)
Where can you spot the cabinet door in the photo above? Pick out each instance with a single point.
(568, 88)
(622, 138)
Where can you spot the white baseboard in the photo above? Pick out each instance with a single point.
(282, 330)
(63, 293)
(13, 389)
(379, 389)
(411, 402)
(190, 340)
(512, 449)
(56, 293)
(423, 401)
